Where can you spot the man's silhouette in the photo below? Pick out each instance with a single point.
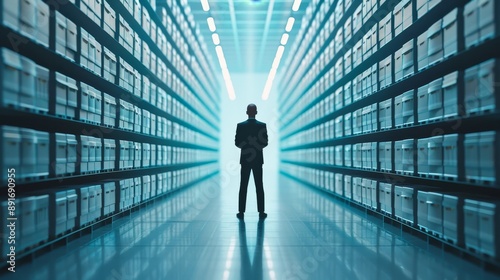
(251, 138)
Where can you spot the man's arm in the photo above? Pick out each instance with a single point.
(237, 137)
(263, 136)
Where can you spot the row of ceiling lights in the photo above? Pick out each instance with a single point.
(279, 52)
(220, 53)
(276, 61)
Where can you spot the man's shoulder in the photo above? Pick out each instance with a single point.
(246, 122)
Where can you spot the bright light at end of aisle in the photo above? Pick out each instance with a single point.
(211, 24)
(296, 5)
(289, 24)
(284, 38)
(215, 38)
(205, 6)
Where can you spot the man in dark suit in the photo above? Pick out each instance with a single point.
(251, 138)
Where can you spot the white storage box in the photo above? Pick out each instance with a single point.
(388, 205)
(348, 186)
(451, 209)
(339, 184)
(422, 210)
(407, 156)
(423, 156)
(71, 198)
(357, 189)
(61, 145)
(435, 100)
(347, 124)
(435, 152)
(471, 23)
(60, 212)
(435, 42)
(42, 23)
(407, 108)
(450, 33)
(487, 150)
(11, 14)
(109, 110)
(423, 58)
(42, 89)
(423, 103)
(42, 154)
(27, 207)
(471, 224)
(348, 155)
(398, 65)
(450, 93)
(385, 73)
(61, 94)
(385, 30)
(450, 154)
(109, 24)
(472, 159)
(385, 114)
(27, 87)
(385, 156)
(60, 34)
(408, 204)
(11, 74)
(407, 13)
(487, 13)
(28, 154)
(435, 212)
(407, 57)
(487, 90)
(471, 89)
(71, 40)
(339, 155)
(109, 198)
(489, 220)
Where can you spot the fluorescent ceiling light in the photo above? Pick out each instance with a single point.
(204, 4)
(296, 5)
(277, 58)
(220, 56)
(215, 38)
(284, 38)
(289, 24)
(211, 24)
(225, 72)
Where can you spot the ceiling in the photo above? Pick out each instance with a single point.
(249, 31)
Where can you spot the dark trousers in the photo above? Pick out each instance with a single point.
(259, 186)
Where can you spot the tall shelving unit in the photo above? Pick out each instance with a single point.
(393, 107)
(106, 105)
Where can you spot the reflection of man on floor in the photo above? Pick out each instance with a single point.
(251, 271)
(251, 138)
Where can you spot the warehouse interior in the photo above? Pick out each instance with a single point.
(118, 121)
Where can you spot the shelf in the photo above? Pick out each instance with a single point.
(460, 61)
(411, 32)
(59, 183)
(469, 124)
(484, 261)
(407, 180)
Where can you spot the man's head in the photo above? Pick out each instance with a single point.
(251, 110)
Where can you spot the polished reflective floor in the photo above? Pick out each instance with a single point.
(194, 234)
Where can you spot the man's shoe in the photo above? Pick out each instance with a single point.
(262, 215)
(239, 215)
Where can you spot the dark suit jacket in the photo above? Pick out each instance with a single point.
(251, 138)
